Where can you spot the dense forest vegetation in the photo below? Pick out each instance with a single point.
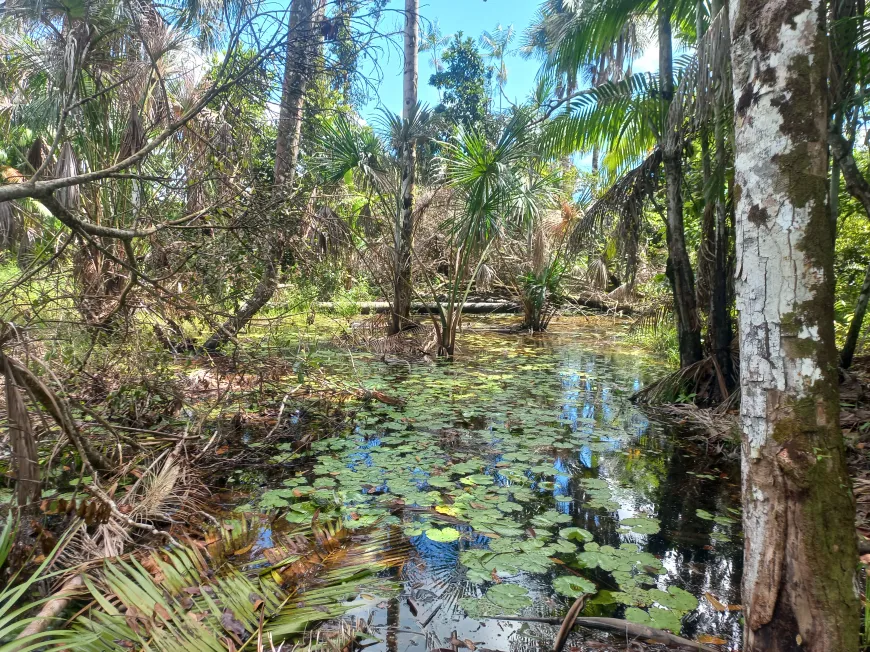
(283, 367)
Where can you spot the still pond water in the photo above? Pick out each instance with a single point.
(523, 477)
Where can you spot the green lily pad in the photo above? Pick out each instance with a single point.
(640, 525)
(509, 596)
(655, 617)
(443, 535)
(675, 598)
(573, 587)
(551, 518)
(476, 479)
(576, 534)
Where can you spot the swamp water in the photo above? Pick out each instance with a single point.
(523, 477)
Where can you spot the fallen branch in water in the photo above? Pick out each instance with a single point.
(617, 626)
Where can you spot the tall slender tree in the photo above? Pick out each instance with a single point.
(798, 511)
(405, 232)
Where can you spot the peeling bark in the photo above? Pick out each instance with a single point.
(798, 510)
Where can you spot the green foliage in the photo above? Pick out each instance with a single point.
(463, 85)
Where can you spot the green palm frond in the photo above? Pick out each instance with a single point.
(16, 609)
(348, 151)
(397, 130)
(489, 178)
(185, 598)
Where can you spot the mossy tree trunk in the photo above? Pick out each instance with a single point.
(402, 288)
(798, 511)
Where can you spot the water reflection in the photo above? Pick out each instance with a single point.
(637, 468)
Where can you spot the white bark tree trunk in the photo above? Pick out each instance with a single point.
(798, 511)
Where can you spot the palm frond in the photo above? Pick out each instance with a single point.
(188, 599)
(620, 212)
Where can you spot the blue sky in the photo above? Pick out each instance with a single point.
(472, 17)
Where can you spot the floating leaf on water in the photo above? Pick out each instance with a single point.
(576, 534)
(480, 607)
(640, 525)
(443, 535)
(551, 518)
(476, 479)
(675, 598)
(655, 617)
(573, 587)
(509, 507)
(709, 639)
(509, 596)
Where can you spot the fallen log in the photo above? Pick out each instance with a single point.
(477, 308)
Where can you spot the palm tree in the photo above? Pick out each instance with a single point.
(504, 188)
(575, 37)
(402, 283)
(495, 47)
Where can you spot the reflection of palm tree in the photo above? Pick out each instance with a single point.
(495, 47)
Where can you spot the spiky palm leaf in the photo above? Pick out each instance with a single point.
(187, 599)
(16, 611)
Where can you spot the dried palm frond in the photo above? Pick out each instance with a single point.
(158, 493)
(23, 443)
(622, 294)
(37, 154)
(620, 211)
(413, 342)
(485, 277)
(9, 225)
(597, 274)
(134, 134)
(701, 383)
(657, 316)
(67, 166)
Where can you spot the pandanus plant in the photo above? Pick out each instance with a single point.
(504, 190)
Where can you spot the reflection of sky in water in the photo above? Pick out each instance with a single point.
(586, 386)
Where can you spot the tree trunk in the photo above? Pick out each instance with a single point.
(720, 334)
(402, 288)
(798, 510)
(303, 49)
(303, 45)
(681, 276)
